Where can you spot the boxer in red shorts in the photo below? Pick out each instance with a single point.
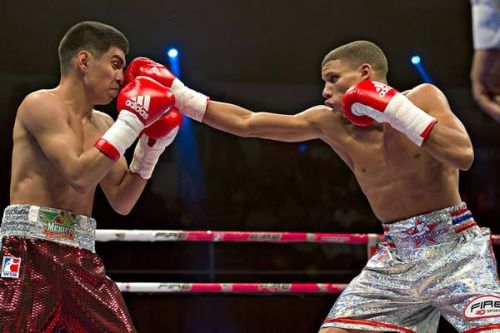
(51, 278)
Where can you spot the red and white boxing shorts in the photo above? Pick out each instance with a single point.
(51, 279)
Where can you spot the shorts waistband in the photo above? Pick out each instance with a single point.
(431, 228)
(50, 224)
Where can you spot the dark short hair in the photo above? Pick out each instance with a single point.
(95, 37)
(358, 53)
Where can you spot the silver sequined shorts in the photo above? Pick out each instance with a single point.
(431, 264)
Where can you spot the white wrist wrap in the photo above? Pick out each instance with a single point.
(146, 157)
(189, 102)
(409, 119)
(124, 131)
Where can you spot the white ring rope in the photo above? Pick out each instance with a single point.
(106, 235)
(371, 241)
(124, 235)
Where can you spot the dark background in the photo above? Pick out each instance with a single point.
(264, 55)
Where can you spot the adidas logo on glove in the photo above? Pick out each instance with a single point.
(140, 104)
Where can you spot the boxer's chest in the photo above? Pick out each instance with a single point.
(87, 131)
(386, 155)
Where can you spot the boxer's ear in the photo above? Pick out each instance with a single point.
(82, 60)
(366, 71)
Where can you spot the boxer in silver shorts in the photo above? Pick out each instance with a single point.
(440, 262)
(406, 151)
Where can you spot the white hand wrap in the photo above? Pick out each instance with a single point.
(120, 135)
(189, 102)
(146, 157)
(409, 119)
(402, 115)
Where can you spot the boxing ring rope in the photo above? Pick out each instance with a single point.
(106, 235)
(236, 288)
(371, 241)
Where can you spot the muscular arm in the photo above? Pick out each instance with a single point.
(289, 128)
(448, 141)
(48, 123)
(122, 188)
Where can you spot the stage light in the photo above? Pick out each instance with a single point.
(174, 59)
(172, 53)
(419, 66)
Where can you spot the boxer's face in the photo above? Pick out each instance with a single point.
(338, 77)
(105, 75)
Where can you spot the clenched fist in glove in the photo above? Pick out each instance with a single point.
(370, 101)
(140, 103)
(153, 142)
(187, 101)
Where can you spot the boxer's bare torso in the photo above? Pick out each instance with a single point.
(34, 179)
(399, 178)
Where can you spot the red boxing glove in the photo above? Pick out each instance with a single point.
(153, 142)
(187, 101)
(163, 126)
(370, 101)
(146, 98)
(142, 66)
(365, 93)
(141, 102)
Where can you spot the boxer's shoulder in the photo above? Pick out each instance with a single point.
(424, 88)
(324, 118)
(425, 94)
(41, 104)
(320, 113)
(40, 97)
(101, 120)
